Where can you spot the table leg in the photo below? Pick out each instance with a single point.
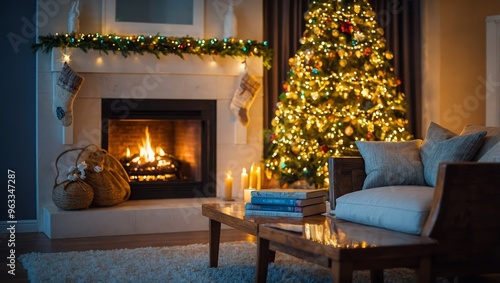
(341, 271)
(263, 256)
(213, 242)
(424, 271)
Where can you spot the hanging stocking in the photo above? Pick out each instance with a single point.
(67, 88)
(244, 97)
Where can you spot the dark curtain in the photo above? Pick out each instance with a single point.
(284, 25)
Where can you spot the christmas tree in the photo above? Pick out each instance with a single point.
(341, 88)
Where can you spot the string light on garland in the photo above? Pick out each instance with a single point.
(157, 45)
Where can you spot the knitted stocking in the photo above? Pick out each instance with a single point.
(244, 97)
(67, 88)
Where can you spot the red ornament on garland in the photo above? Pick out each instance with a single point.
(324, 148)
(368, 51)
(369, 135)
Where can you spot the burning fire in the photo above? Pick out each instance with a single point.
(150, 164)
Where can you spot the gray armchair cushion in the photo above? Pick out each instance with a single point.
(399, 208)
(492, 155)
(391, 163)
(491, 139)
(443, 145)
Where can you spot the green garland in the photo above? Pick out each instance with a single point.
(157, 44)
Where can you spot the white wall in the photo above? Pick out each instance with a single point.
(454, 61)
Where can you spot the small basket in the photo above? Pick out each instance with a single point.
(71, 194)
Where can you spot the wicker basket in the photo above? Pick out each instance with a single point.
(106, 176)
(71, 194)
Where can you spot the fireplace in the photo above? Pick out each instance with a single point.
(167, 146)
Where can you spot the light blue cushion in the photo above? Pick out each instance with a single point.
(492, 155)
(391, 163)
(442, 145)
(492, 137)
(399, 208)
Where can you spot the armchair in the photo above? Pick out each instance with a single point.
(457, 202)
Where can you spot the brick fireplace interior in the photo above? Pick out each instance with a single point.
(167, 146)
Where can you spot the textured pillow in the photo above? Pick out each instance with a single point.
(492, 155)
(442, 145)
(492, 137)
(391, 163)
(399, 208)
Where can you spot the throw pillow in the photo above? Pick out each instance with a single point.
(492, 137)
(442, 145)
(492, 155)
(391, 163)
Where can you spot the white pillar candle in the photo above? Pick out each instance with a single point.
(258, 176)
(244, 179)
(252, 182)
(228, 186)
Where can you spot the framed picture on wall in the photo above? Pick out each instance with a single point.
(149, 17)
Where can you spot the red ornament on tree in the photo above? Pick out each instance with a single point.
(368, 51)
(324, 148)
(284, 86)
(346, 27)
(369, 135)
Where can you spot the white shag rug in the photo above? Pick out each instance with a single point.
(180, 264)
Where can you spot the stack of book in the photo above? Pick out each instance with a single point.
(286, 202)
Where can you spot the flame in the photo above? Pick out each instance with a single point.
(146, 150)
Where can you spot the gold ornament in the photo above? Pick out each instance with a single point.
(295, 149)
(349, 131)
(357, 8)
(343, 62)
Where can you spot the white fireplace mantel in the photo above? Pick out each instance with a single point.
(98, 62)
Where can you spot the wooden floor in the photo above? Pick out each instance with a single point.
(38, 242)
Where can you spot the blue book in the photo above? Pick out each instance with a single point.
(286, 201)
(290, 193)
(304, 211)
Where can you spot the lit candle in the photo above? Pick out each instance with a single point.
(228, 186)
(244, 179)
(252, 181)
(258, 177)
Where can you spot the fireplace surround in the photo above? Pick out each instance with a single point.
(176, 136)
(146, 78)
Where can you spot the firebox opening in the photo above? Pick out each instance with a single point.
(157, 150)
(166, 146)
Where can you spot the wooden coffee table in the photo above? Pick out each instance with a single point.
(340, 245)
(345, 246)
(233, 215)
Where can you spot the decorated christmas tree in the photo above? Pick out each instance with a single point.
(341, 88)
